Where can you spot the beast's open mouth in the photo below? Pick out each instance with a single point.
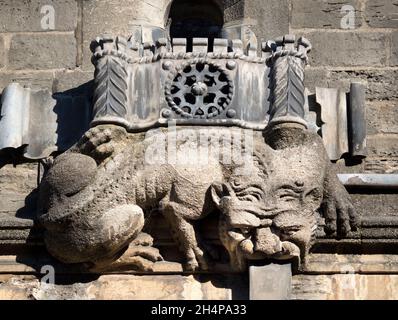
(264, 244)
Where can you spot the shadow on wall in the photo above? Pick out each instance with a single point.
(74, 113)
(55, 122)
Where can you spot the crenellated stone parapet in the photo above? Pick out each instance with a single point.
(195, 82)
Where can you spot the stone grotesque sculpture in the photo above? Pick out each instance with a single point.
(95, 197)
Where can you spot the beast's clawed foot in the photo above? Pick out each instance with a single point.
(196, 259)
(99, 142)
(340, 215)
(139, 256)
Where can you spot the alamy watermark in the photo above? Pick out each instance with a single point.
(48, 273)
(348, 19)
(200, 147)
(48, 20)
(348, 281)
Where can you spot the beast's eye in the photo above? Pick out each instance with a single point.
(251, 197)
(251, 194)
(287, 197)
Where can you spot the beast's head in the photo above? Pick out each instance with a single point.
(265, 217)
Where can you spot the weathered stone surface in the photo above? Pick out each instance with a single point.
(322, 14)
(270, 20)
(104, 17)
(234, 10)
(316, 77)
(375, 204)
(382, 13)
(351, 263)
(42, 51)
(128, 287)
(26, 16)
(344, 46)
(380, 84)
(33, 79)
(341, 167)
(16, 183)
(270, 282)
(345, 287)
(22, 178)
(16, 288)
(67, 80)
(394, 48)
(383, 154)
(116, 17)
(2, 52)
(382, 117)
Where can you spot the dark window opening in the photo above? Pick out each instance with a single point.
(196, 19)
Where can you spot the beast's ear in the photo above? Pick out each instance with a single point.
(218, 191)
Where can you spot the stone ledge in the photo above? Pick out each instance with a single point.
(316, 264)
(346, 264)
(125, 287)
(378, 234)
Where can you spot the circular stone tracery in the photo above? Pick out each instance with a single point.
(199, 90)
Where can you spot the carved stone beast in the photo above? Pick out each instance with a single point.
(95, 197)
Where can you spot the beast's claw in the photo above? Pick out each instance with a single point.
(340, 215)
(143, 239)
(149, 253)
(99, 142)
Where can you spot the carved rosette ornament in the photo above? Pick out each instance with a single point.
(95, 198)
(199, 89)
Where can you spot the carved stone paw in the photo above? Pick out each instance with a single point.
(197, 259)
(340, 215)
(99, 142)
(143, 239)
(140, 256)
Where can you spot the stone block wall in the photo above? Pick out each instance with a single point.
(364, 51)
